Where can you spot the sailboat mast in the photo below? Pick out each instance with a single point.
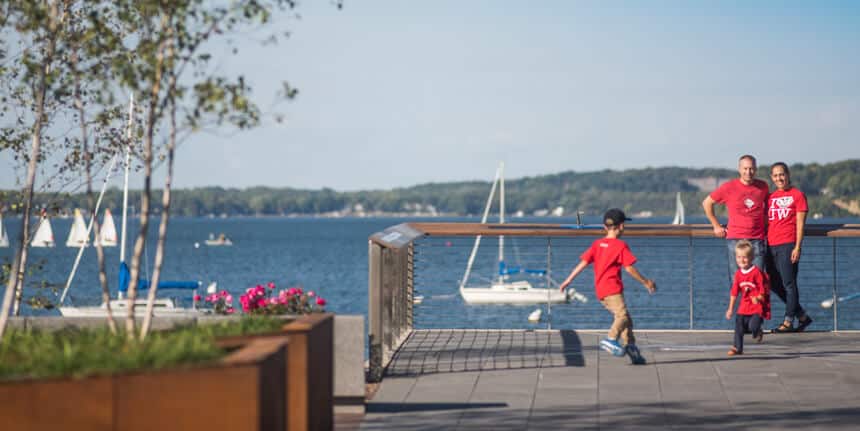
(478, 238)
(501, 213)
(129, 131)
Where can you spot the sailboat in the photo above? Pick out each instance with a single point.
(679, 210)
(78, 234)
(44, 236)
(504, 290)
(107, 233)
(163, 307)
(4, 238)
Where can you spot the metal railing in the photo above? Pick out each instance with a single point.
(688, 263)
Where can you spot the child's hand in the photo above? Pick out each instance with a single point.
(754, 300)
(651, 286)
(562, 286)
(729, 314)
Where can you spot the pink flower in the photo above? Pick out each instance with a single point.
(230, 310)
(197, 298)
(271, 285)
(311, 294)
(228, 299)
(320, 301)
(261, 302)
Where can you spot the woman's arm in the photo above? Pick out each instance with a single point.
(801, 222)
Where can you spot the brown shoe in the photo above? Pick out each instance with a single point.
(734, 351)
(758, 337)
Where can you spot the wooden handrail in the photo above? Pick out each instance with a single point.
(542, 229)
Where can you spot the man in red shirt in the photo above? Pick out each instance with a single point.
(745, 199)
(609, 254)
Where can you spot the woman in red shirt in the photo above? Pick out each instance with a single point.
(786, 218)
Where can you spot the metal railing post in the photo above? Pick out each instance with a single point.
(548, 282)
(835, 292)
(374, 315)
(690, 269)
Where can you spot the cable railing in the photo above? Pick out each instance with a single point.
(415, 270)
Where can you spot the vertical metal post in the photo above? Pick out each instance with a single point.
(548, 282)
(690, 270)
(374, 312)
(835, 292)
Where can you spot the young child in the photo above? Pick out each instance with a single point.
(753, 286)
(609, 254)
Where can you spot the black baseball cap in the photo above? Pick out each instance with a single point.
(614, 217)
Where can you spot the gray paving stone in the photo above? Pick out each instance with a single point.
(543, 380)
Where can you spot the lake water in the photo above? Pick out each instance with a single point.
(329, 256)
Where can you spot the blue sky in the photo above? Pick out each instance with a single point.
(396, 93)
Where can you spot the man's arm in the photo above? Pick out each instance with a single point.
(708, 206)
(649, 284)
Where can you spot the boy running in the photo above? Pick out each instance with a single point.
(609, 254)
(752, 284)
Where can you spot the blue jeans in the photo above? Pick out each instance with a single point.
(746, 323)
(758, 246)
(783, 279)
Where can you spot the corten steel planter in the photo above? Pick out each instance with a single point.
(310, 370)
(243, 391)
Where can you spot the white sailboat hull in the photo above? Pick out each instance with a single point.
(164, 307)
(518, 292)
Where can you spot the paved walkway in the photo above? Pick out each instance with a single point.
(548, 380)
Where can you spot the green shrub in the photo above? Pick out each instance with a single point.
(34, 353)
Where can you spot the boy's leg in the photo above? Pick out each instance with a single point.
(740, 326)
(621, 323)
(755, 322)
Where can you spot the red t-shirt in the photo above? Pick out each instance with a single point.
(782, 215)
(749, 283)
(608, 256)
(746, 206)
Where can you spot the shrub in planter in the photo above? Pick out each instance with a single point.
(91, 379)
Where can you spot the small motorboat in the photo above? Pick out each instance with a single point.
(220, 240)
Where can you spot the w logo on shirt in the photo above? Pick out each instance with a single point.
(780, 207)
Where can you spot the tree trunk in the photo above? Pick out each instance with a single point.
(90, 201)
(140, 243)
(16, 278)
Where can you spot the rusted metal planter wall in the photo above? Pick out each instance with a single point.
(244, 391)
(309, 370)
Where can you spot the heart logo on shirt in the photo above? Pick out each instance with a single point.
(784, 202)
(749, 203)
